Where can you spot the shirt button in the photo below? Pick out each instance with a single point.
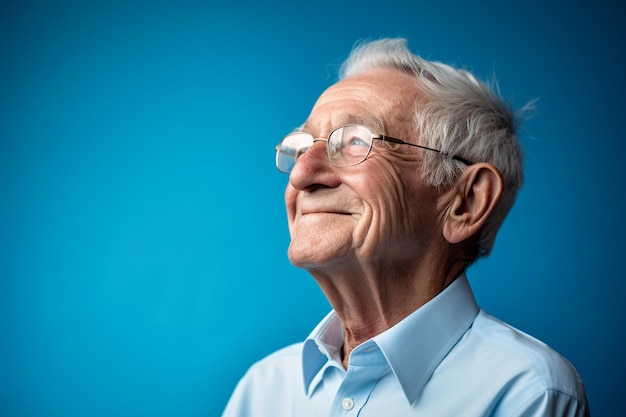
(347, 404)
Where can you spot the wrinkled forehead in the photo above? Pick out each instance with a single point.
(378, 99)
(375, 124)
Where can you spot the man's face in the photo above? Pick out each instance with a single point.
(376, 212)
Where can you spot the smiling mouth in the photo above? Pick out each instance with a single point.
(343, 213)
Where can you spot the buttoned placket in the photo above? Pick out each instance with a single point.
(367, 365)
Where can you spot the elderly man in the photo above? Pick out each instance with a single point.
(398, 180)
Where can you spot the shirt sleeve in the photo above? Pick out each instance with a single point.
(553, 403)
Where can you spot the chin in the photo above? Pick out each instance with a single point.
(301, 258)
(315, 254)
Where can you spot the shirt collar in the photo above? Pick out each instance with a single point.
(413, 348)
(322, 347)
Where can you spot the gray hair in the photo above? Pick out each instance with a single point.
(457, 114)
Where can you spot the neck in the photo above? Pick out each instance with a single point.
(369, 301)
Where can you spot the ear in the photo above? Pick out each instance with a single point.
(474, 197)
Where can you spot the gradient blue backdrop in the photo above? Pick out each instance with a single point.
(143, 239)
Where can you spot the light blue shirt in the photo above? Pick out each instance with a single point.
(448, 358)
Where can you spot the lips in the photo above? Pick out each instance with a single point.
(323, 204)
(322, 211)
(316, 209)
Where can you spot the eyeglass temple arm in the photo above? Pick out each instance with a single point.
(401, 142)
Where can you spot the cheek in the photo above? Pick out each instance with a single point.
(397, 206)
(291, 195)
(387, 195)
(382, 214)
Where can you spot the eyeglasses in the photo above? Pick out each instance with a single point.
(346, 146)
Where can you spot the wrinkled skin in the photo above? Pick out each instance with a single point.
(378, 240)
(378, 212)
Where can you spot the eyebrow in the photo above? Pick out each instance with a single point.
(375, 124)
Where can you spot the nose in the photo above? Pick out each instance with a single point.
(313, 169)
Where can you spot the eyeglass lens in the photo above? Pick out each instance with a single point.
(347, 145)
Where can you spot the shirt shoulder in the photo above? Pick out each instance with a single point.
(529, 369)
(280, 367)
(269, 386)
(505, 342)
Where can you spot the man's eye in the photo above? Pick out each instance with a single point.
(357, 141)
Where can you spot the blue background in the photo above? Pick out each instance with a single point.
(143, 238)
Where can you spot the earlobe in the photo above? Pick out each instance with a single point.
(476, 194)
